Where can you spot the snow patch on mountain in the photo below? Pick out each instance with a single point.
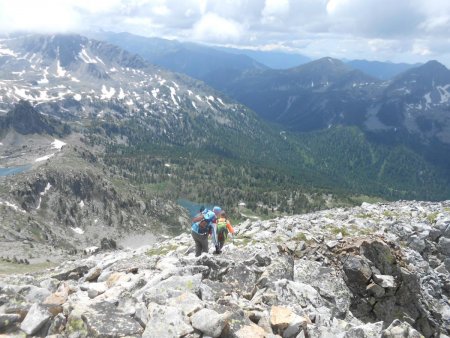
(22, 93)
(403, 90)
(208, 98)
(445, 95)
(99, 60)
(6, 52)
(21, 73)
(44, 80)
(60, 72)
(289, 103)
(427, 98)
(121, 95)
(107, 94)
(172, 95)
(85, 57)
(77, 230)
(57, 144)
(44, 158)
(47, 188)
(13, 206)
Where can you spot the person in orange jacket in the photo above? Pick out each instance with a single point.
(223, 228)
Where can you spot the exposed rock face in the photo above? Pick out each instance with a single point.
(26, 120)
(370, 283)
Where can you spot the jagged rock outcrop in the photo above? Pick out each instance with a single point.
(339, 273)
(25, 119)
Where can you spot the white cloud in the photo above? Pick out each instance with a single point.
(161, 10)
(46, 16)
(334, 5)
(96, 6)
(374, 18)
(274, 8)
(357, 28)
(213, 28)
(384, 45)
(242, 11)
(437, 24)
(421, 48)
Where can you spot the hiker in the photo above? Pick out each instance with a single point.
(200, 213)
(217, 210)
(202, 226)
(223, 228)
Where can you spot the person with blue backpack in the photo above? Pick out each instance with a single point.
(202, 226)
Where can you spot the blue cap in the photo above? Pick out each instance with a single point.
(209, 216)
(217, 209)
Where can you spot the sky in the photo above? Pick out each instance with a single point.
(386, 30)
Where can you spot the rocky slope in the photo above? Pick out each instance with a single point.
(65, 200)
(371, 271)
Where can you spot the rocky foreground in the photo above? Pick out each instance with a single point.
(371, 271)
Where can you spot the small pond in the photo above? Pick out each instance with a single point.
(14, 170)
(193, 207)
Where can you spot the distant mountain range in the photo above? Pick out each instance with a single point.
(271, 59)
(198, 61)
(207, 62)
(381, 70)
(327, 92)
(139, 112)
(311, 96)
